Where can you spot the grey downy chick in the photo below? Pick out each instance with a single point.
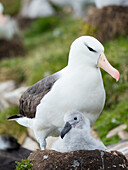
(76, 135)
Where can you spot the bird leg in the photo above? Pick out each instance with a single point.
(42, 143)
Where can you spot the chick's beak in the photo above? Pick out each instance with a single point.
(66, 129)
(105, 65)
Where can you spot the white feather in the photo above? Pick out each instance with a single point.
(79, 137)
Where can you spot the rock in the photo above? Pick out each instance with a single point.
(50, 140)
(30, 144)
(36, 8)
(123, 135)
(8, 158)
(78, 160)
(3, 104)
(116, 130)
(14, 96)
(109, 22)
(7, 86)
(122, 147)
(101, 3)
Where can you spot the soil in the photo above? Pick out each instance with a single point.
(24, 22)
(78, 160)
(11, 48)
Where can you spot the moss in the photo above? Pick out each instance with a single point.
(24, 165)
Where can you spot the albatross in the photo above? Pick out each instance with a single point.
(76, 135)
(78, 86)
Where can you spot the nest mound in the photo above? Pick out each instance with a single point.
(11, 48)
(84, 159)
(24, 22)
(111, 21)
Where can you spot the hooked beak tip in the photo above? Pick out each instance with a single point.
(105, 65)
(65, 130)
(118, 76)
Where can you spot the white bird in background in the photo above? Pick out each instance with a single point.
(8, 26)
(8, 143)
(3, 19)
(78, 86)
(76, 135)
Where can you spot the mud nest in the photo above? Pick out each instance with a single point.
(111, 21)
(11, 48)
(78, 160)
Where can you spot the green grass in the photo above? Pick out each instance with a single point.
(11, 6)
(116, 108)
(47, 52)
(111, 118)
(11, 127)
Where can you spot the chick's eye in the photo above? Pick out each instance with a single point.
(75, 118)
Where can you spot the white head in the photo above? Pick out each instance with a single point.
(87, 51)
(75, 119)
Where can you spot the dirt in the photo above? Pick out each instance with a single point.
(79, 160)
(11, 48)
(111, 21)
(24, 22)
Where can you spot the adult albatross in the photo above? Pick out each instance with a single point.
(78, 86)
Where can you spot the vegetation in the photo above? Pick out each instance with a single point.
(116, 108)
(47, 44)
(24, 165)
(11, 7)
(10, 127)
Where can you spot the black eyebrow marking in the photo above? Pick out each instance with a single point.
(90, 49)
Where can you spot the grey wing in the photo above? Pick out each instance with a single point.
(33, 95)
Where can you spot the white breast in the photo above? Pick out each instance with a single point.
(81, 91)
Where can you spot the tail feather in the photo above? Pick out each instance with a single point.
(14, 117)
(24, 121)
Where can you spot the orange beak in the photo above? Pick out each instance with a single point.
(105, 65)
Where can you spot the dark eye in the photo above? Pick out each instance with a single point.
(75, 118)
(90, 49)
